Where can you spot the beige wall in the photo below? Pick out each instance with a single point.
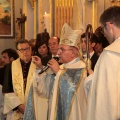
(10, 43)
(32, 23)
(46, 7)
(99, 8)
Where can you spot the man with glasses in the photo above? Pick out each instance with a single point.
(104, 97)
(61, 86)
(17, 86)
(53, 44)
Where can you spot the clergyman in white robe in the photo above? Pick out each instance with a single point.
(46, 98)
(104, 96)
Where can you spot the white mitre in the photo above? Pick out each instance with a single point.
(69, 36)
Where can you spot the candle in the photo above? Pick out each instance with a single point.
(46, 18)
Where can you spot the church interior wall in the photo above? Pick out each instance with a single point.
(10, 43)
(31, 30)
(96, 9)
(30, 20)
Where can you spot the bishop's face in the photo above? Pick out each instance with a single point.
(65, 54)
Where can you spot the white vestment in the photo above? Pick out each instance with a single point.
(104, 96)
(12, 100)
(78, 109)
(42, 98)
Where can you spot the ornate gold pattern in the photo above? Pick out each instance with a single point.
(18, 83)
(32, 3)
(63, 31)
(77, 87)
(78, 44)
(40, 16)
(78, 21)
(115, 2)
(35, 25)
(17, 32)
(66, 41)
(19, 26)
(64, 70)
(64, 13)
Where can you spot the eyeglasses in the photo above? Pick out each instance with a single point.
(106, 25)
(63, 50)
(52, 44)
(25, 49)
(103, 26)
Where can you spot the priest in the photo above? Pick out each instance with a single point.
(59, 91)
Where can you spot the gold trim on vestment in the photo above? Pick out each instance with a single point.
(73, 96)
(33, 102)
(75, 93)
(58, 94)
(18, 83)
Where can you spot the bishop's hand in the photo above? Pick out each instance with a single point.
(54, 65)
(37, 61)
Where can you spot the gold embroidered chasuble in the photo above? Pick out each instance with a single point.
(18, 82)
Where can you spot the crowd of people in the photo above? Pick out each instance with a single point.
(49, 79)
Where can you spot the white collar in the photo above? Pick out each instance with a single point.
(85, 55)
(91, 54)
(74, 64)
(71, 62)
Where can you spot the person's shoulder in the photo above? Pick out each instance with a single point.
(7, 65)
(95, 56)
(2, 68)
(114, 47)
(18, 59)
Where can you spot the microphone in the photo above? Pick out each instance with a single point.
(46, 67)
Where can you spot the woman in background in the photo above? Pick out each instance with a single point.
(42, 49)
(102, 41)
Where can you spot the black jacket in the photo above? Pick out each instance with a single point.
(94, 59)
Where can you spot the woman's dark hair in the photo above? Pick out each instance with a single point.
(40, 39)
(101, 38)
(40, 43)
